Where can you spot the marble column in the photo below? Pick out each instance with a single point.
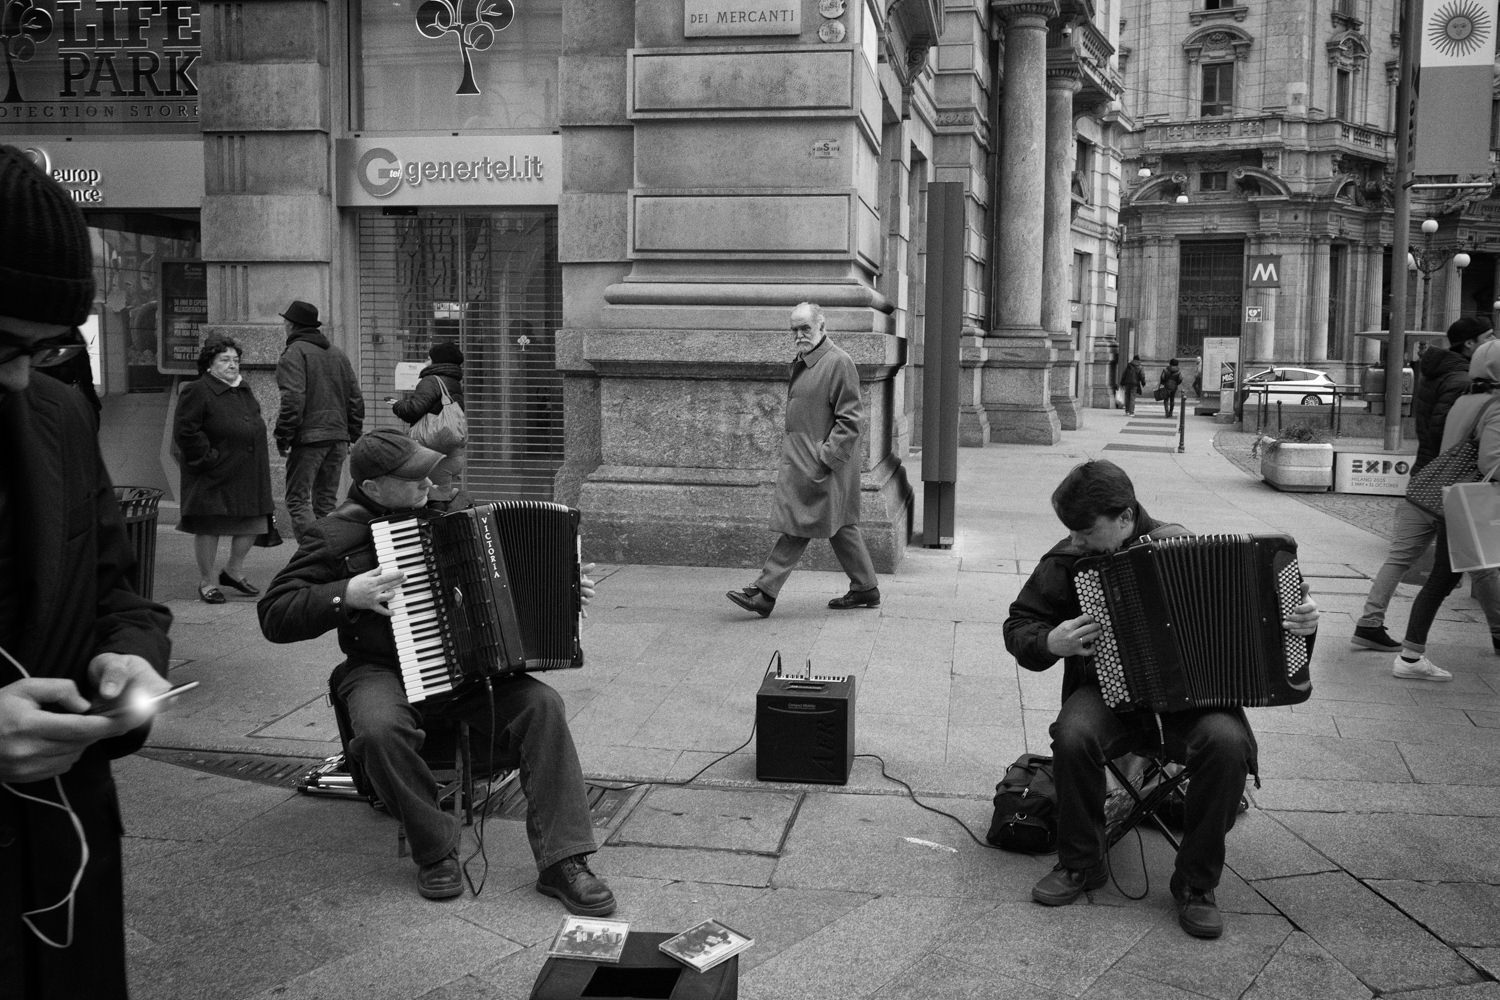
(1374, 298)
(1057, 245)
(1015, 388)
(1317, 319)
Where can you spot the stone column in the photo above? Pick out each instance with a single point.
(1057, 245)
(1015, 386)
(1317, 319)
(1374, 297)
(1453, 299)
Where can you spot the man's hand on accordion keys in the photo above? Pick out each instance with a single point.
(1074, 637)
(372, 590)
(1303, 619)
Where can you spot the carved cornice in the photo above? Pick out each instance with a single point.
(1014, 11)
(1264, 177)
(1238, 13)
(1217, 42)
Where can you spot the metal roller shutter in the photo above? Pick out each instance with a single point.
(489, 281)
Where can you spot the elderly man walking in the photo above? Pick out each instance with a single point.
(817, 483)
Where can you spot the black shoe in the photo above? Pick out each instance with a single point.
(441, 879)
(1197, 911)
(212, 595)
(857, 599)
(1061, 886)
(1495, 641)
(753, 599)
(579, 889)
(1374, 637)
(242, 585)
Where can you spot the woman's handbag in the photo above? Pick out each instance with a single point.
(271, 537)
(1458, 464)
(1160, 392)
(1473, 515)
(445, 430)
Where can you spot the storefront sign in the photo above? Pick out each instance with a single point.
(1377, 473)
(718, 18)
(102, 65)
(183, 314)
(464, 170)
(149, 173)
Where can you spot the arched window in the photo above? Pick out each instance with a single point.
(1213, 57)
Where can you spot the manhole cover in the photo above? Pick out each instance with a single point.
(713, 819)
(264, 769)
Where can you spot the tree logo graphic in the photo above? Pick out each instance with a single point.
(475, 22)
(22, 25)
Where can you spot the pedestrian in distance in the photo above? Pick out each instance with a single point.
(817, 481)
(1096, 502)
(444, 372)
(72, 627)
(1446, 378)
(334, 583)
(226, 468)
(1474, 415)
(1168, 381)
(1133, 382)
(322, 411)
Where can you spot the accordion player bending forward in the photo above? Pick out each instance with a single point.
(333, 582)
(1096, 502)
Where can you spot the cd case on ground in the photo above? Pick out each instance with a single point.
(590, 939)
(706, 945)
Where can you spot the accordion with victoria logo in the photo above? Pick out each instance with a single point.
(1194, 621)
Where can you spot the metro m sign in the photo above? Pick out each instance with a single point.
(1264, 271)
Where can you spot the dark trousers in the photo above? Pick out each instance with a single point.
(1168, 400)
(1440, 583)
(1130, 400)
(530, 731)
(1087, 733)
(312, 481)
(848, 546)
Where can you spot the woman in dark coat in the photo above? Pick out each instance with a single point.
(226, 468)
(444, 370)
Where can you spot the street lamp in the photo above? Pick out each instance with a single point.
(1430, 259)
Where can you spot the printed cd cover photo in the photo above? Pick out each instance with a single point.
(590, 939)
(706, 945)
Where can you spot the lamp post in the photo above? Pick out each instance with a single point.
(1428, 260)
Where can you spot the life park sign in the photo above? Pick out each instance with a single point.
(101, 65)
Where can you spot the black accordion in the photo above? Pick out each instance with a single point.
(1194, 621)
(491, 590)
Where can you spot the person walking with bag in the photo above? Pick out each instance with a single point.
(1133, 382)
(440, 385)
(1167, 383)
(226, 468)
(1476, 416)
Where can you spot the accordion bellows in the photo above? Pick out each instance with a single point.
(1194, 621)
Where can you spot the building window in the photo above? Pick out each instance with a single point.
(1338, 261)
(1218, 89)
(1343, 95)
(1495, 124)
(1217, 4)
(1213, 180)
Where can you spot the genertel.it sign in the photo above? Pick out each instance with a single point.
(449, 170)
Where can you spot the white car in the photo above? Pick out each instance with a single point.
(1309, 386)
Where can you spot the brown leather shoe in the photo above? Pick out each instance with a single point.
(753, 599)
(1197, 910)
(1061, 886)
(857, 599)
(441, 879)
(579, 889)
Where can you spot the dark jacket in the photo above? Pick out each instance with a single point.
(1134, 377)
(300, 604)
(226, 465)
(817, 481)
(1170, 378)
(1445, 377)
(73, 557)
(1047, 599)
(320, 397)
(427, 397)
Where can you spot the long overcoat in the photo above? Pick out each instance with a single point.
(69, 599)
(226, 465)
(817, 482)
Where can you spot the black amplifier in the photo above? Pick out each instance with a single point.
(804, 729)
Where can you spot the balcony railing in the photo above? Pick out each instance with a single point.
(1323, 134)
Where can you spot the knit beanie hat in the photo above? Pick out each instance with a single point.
(446, 353)
(46, 261)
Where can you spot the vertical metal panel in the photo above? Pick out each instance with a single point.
(489, 281)
(942, 327)
(1210, 292)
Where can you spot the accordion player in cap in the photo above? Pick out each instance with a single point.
(335, 583)
(1097, 504)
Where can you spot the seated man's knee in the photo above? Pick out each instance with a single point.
(1220, 737)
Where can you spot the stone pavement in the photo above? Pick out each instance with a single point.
(1366, 866)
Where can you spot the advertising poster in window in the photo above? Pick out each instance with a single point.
(183, 314)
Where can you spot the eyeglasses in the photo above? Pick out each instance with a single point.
(43, 353)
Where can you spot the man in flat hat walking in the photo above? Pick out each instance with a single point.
(322, 411)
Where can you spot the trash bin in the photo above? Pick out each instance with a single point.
(138, 505)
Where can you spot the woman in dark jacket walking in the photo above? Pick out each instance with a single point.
(444, 370)
(1169, 379)
(226, 468)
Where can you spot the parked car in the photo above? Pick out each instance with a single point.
(1310, 386)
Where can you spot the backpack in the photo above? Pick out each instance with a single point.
(1025, 818)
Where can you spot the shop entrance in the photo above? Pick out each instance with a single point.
(489, 281)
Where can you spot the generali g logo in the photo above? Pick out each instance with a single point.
(475, 22)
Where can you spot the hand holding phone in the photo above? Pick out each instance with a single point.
(138, 704)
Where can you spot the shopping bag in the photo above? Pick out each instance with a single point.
(1473, 515)
(445, 430)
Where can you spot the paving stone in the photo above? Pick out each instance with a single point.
(1309, 795)
(1461, 913)
(1386, 950)
(1302, 969)
(1415, 732)
(1486, 959)
(1285, 756)
(1401, 846)
(1118, 985)
(1452, 765)
(1262, 847)
(710, 819)
(727, 867)
(946, 978)
(1223, 968)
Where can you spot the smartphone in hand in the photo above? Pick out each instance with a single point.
(142, 705)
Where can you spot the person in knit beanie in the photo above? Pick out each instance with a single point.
(74, 633)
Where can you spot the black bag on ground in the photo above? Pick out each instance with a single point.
(1026, 807)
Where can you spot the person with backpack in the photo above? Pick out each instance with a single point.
(1133, 382)
(1167, 383)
